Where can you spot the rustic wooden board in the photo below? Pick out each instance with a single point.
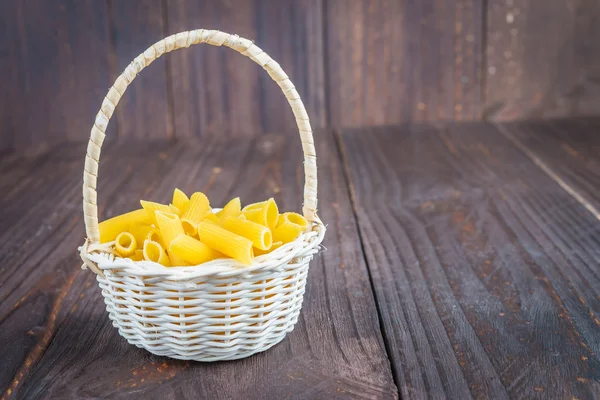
(216, 90)
(541, 58)
(54, 76)
(568, 150)
(336, 350)
(145, 111)
(484, 268)
(391, 62)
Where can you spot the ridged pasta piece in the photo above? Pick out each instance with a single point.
(174, 209)
(264, 213)
(154, 252)
(180, 199)
(286, 231)
(177, 261)
(138, 255)
(231, 209)
(197, 209)
(155, 235)
(275, 245)
(151, 207)
(110, 228)
(213, 218)
(259, 234)
(169, 225)
(232, 245)
(294, 218)
(140, 232)
(192, 250)
(125, 244)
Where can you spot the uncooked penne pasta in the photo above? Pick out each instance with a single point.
(155, 236)
(231, 209)
(264, 213)
(140, 232)
(286, 231)
(180, 199)
(294, 218)
(138, 255)
(192, 250)
(151, 207)
(213, 218)
(228, 243)
(259, 234)
(125, 244)
(197, 209)
(169, 225)
(110, 228)
(174, 209)
(177, 261)
(154, 252)
(275, 245)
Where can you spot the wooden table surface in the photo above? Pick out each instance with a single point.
(462, 261)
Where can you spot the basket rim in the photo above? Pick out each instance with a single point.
(99, 256)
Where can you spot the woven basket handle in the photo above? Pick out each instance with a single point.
(173, 42)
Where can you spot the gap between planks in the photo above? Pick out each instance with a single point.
(346, 172)
(548, 171)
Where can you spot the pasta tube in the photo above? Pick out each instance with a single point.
(125, 244)
(228, 243)
(138, 255)
(286, 230)
(177, 261)
(140, 232)
(174, 209)
(213, 218)
(154, 252)
(294, 218)
(155, 236)
(151, 207)
(169, 225)
(197, 209)
(192, 250)
(231, 209)
(110, 228)
(180, 199)
(264, 213)
(258, 252)
(259, 235)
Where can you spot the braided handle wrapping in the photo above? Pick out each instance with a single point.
(173, 42)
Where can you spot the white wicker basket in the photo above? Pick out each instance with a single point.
(220, 310)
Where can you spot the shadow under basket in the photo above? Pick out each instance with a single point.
(220, 310)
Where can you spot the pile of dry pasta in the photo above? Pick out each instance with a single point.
(188, 232)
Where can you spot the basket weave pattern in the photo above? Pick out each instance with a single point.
(221, 310)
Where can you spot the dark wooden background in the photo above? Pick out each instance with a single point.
(355, 63)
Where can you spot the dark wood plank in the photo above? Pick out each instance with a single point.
(391, 62)
(336, 350)
(541, 60)
(219, 91)
(485, 269)
(55, 69)
(145, 110)
(569, 151)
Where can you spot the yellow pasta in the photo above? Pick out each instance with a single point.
(228, 243)
(258, 252)
(125, 244)
(192, 250)
(155, 236)
(259, 235)
(110, 228)
(294, 218)
(180, 199)
(286, 230)
(231, 209)
(154, 252)
(169, 225)
(174, 209)
(138, 255)
(213, 218)
(151, 207)
(140, 232)
(177, 261)
(197, 209)
(264, 213)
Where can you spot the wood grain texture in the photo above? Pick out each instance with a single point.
(217, 90)
(542, 59)
(54, 63)
(391, 62)
(569, 149)
(335, 351)
(484, 268)
(145, 110)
